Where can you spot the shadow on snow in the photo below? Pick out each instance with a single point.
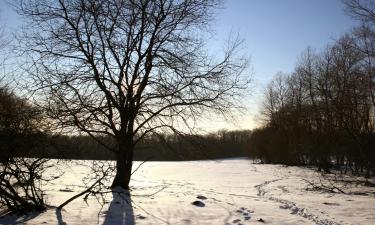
(120, 210)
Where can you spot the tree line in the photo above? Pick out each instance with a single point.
(323, 113)
(168, 147)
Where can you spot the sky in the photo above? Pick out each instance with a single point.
(275, 33)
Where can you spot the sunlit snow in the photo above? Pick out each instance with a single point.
(223, 192)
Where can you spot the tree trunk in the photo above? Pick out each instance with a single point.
(124, 163)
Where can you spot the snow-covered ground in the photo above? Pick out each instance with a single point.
(224, 192)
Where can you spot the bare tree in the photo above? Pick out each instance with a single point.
(363, 10)
(3, 43)
(276, 97)
(128, 68)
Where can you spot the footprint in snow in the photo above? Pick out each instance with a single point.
(201, 197)
(261, 220)
(246, 214)
(330, 203)
(141, 217)
(198, 204)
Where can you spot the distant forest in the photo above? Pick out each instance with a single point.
(223, 144)
(323, 113)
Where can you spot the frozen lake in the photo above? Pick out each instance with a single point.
(225, 192)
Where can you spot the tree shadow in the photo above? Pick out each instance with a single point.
(120, 210)
(59, 217)
(13, 219)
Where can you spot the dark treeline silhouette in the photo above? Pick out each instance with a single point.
(323, 113)
(20, 135)
(221, 144)
(20, 126)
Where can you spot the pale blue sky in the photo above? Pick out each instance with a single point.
(275, 33)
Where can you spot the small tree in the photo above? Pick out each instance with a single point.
(128, 68)
(20, 177)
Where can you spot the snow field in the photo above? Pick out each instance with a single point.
(223, 192)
